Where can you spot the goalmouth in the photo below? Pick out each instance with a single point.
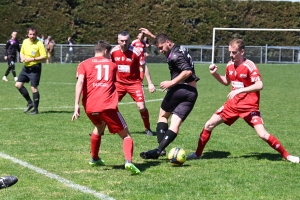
(243, 29)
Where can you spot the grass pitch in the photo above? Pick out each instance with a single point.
(237, 164)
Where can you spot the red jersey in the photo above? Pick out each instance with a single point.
(244, 75)
(140, 45)
(99, 91)
(128, 64)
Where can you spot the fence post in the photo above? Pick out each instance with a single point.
(266, 56)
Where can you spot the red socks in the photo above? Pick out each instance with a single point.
(204, 137)
(146, 120)
(95, 145)
(275, 144)
(128, 148)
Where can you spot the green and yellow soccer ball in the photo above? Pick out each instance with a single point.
(177, 156)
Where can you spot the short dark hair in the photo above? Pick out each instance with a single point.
(123, 33)
(161, 38)
(102, 45)
(32, 29)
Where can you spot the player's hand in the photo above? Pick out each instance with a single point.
(165, 85)
(5, 57)
(233, 93)
(147, 32)
(213, 68)
(151, 88)
(76, 114)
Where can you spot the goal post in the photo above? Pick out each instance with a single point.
(242, 29)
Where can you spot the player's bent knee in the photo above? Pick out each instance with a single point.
(18, 85)
(209, 126)
(141, 108)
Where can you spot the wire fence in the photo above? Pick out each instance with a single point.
(199, 53)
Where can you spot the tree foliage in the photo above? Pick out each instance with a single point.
(185, 21)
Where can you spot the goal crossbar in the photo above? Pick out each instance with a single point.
(243, 29)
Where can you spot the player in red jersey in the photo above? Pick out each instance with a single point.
(96, 78)
(140, 44)
(128, 60)
(243, 100)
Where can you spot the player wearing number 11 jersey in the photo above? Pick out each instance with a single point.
(243, 101)
(96, 84)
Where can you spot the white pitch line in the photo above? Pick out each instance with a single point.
(62, 83)
(120, 103)
(57, 177)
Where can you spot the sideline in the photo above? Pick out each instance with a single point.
(57, 177)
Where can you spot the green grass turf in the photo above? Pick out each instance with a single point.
(237, 164)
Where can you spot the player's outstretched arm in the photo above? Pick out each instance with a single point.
(222, 79)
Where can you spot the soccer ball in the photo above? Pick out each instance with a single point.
(177, 156)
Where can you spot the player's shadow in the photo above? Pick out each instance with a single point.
(215, 154)
(141, 166)
(225, 154)
(142, 133)
(263, 156)
(56, 111)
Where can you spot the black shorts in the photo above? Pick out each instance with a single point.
(32, 74)
(180, 100)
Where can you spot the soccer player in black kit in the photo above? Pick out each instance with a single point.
(181, 93)
(11, 48)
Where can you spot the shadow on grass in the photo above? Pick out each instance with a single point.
(56, 111)
(224, 154)
(215, 154)
(142, 133)
(141, 166)
(263, 156)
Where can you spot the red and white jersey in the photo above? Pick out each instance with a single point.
(244, 75)
(128, 64)
(140, 45)
(99, 91)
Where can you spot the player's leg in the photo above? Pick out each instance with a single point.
(34, 77)
(71, 56)
(205, 134)
(67, 56)
(23, 78)
(162, 127)
(171, 133)
(7, 70)
(137, 94)
(95, 139)
(223, 115)
(12, 60)
(116, 124)
(128, 147)
(168, 137)
(145, 117)
(7, 181)
(256, 121)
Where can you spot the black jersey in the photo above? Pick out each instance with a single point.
(11, 47)
(179, 60)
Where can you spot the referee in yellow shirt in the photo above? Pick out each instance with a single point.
(32, 54)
